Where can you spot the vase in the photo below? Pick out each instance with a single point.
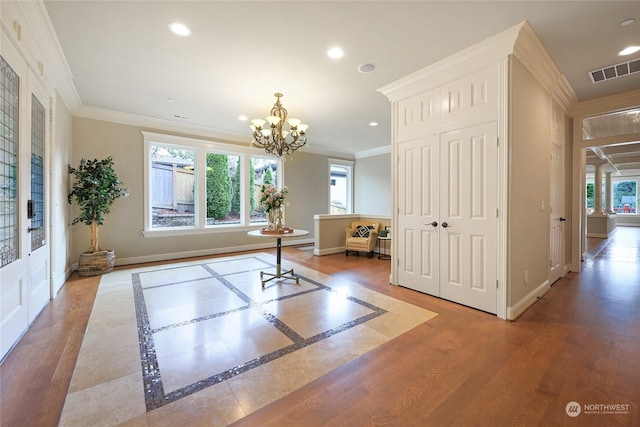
(279, 220)
(272, 217)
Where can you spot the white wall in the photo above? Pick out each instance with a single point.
(529, 228)
(60, 158)
(372, 179)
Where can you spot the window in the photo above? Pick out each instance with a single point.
(223, 188)
(172, 184)
(340, 186)
(611, 124)
(625, 196)
(591, 195)
(264, 170)
(194, 186)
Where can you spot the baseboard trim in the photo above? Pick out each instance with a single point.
(203, 252)
(58, 282)
(328, 251)
(599, 235)
(521, 306)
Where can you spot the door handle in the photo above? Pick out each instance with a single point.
(445, 225)
(562, 219)
(433, 224)
(30, 229)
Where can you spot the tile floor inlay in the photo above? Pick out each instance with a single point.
(202, 343)
(213, 319)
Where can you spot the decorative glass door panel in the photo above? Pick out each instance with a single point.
(36, 204)
(9, 237)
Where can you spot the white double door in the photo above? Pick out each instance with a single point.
(447, 200)
(25, 286)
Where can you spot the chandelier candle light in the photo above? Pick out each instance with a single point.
(274, 138)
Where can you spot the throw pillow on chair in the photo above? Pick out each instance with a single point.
(363, 231)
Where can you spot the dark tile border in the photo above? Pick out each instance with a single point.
(155, 396)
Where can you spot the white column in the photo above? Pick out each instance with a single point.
(608, 208)
(598, 190)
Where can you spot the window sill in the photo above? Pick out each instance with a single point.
(192, 231)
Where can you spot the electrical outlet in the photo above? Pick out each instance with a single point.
(541, 205)
(526, 277)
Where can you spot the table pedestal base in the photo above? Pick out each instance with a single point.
(279, 273)
(289, 274)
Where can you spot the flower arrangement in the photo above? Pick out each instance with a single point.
(271, 199)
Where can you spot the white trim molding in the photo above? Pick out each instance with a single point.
(518, 309)
(378, 151)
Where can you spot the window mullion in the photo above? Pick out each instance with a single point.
(200, 196)
(245, 206)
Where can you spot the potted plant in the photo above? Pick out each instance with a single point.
(95, 188)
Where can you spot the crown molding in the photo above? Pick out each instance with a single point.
(378, 151)
(528, 49)
(159, 124)
(472, 59)
(187, 129)
(520, 41)
(564, 95)
(27, 25)
(607, 104)
(329, 152)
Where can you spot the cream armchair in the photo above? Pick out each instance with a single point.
(361, 239)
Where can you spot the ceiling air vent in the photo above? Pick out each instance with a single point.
(615, 71)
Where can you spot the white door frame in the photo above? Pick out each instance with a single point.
(619, 102)
(556, 213)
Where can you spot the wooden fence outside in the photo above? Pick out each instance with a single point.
(172, 188)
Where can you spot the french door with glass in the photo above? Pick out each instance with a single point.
(24, 251)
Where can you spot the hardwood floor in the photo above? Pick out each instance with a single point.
(465, 367)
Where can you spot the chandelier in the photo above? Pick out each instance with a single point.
(272, 136)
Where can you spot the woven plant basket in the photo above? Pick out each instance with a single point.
(96, 263)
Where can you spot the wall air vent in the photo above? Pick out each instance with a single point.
(615, 71)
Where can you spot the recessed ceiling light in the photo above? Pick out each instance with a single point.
(366, 68)
(179, 29)
(373, 124)
(243, 118)
(627, 22)
(335, 53)
(629, 50)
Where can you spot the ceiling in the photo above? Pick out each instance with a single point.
(620, 160)
(123, 57)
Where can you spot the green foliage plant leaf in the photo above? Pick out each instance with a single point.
(96, 186)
